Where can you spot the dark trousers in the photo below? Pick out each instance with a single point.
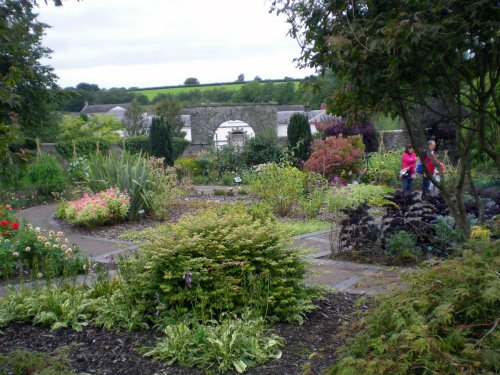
(426, 184)
(407, 184)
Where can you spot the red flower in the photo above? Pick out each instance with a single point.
(3, 223)
(1, 213)
(15, 226)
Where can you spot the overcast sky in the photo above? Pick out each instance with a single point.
(145, 43)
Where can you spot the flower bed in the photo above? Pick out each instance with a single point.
(26, 251)
(109, 206)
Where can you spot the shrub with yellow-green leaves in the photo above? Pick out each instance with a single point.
(383, 168)
(221, 261)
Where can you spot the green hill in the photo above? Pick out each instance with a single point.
(172, 90)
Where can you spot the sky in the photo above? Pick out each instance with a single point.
(148, 43)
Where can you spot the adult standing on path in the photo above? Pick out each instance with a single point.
(408, 162)
(429, 157)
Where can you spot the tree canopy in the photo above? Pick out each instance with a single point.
(27, 88)
(399, 56)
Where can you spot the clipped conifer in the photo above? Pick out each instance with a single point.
(299, 136)
(160, 139)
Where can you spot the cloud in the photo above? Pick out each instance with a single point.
(114, 41)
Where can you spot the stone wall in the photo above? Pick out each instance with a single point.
(393, 139)
(206, 119)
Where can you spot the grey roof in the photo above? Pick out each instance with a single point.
(284, 116)
(293, 108)
(103, 108)
(321, 116)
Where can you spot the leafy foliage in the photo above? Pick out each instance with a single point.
(352, 196)
(160, 138)
(402, 245)
(444, 322)
(108, 206)
(299, 130)
(281, 186)
(383, 168)
(28, 90)
(47, 176)
(130, 173)
(82, 147)
(28, 362)
(97, 126)
(336, 156)
(208, 264)
(263, 148)
(233, 343)
(339, 127)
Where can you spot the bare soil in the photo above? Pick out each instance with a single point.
(310, 348)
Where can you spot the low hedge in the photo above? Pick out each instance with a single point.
(84, 147)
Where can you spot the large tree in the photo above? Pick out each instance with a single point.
(27, 87)
(402, 55)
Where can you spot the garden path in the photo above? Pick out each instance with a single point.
(338, 275)
(97, 248)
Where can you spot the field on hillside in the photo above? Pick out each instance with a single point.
(180, 89)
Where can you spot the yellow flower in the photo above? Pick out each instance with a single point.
(47, 244)
(59, 234)
(68, 251)
(58, 239)
(15, 254)
(27, 249)
(63, 247)
(40, 238)
(55, 247)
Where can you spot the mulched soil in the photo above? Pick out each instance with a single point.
(311, 346)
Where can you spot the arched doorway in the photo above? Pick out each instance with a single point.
(232, 132)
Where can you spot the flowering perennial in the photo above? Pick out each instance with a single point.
(94, 210)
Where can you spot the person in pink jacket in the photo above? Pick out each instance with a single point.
(408, 162)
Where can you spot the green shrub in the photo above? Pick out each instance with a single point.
(351, 196)
(231, 344)
(139, 144)
(130, 173)
(160, 138)
(383, 168)
(299, 135)
(219, 192)
(187, 167)
(47, 176)
(264, 148)
(209, 264)
(281, 186)
(165, 193)
(446, 234)
(179, 144)
(311, 202)
(84, 147)
(402, 245)
(443, 322)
